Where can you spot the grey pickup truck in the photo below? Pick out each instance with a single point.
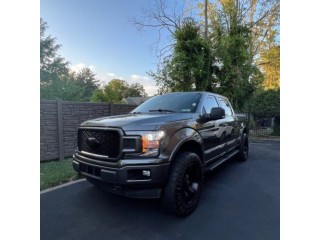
(162, 148)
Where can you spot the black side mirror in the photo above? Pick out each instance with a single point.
(217, 113)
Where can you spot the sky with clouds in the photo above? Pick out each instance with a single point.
(98, 34)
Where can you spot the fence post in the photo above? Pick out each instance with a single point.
(60, 130)
(111, 108)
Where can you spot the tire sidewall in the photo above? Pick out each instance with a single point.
(172, 198)
(244, 140)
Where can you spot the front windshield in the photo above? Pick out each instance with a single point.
(185, 102)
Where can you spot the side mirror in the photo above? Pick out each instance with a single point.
(217, 113)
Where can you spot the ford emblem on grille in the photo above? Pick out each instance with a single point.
(93, 142)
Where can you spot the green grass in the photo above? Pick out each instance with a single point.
(54, 173)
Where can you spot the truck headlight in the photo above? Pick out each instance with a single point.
(150, 142)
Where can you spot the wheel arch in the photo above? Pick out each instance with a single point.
(188, 145)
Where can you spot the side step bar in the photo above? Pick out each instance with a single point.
(213, 165)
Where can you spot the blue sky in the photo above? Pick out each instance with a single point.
(98, 34)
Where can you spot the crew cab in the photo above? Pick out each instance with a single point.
(162, 148)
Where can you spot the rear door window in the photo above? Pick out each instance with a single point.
(224, 103)
(208, 104)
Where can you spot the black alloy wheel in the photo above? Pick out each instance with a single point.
(244, 148)
(182, 192)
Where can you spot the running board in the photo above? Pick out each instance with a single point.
(213, 165)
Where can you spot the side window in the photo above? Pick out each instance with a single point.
(224, 103)
(209, 103)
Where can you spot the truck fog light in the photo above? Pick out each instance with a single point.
(146, 173)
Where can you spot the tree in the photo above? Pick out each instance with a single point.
(135, 90)
(240, 38)
(164, 16)
(235, 77)
(87, 80)
(233, 37)
(186, 69)
(271, 68)
(65, 89)
(52, 66)
(56, 79)
(267, 104)
(260, 17)
(116, 90)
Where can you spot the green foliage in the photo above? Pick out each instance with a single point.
(187, 68)
(116, 90)
(241, 36)
(52, 66)
(54, 173)
(135, 90)
(266, 103)
(56, 79)
(223, 65)
(66, 89)
(236, 77)
(86, 79)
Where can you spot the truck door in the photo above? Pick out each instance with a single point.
(212, 132)
(231, 124)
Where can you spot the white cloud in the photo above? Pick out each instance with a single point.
(79, 66)
(138, 77)
(111, 74)
(107, 77)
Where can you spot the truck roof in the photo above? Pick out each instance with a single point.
(202, 92)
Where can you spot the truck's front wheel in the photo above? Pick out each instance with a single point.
(182, 192)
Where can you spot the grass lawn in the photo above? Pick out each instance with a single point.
(56, 172)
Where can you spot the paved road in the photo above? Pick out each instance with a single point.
(239, 201)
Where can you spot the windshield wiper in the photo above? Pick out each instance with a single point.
(137, 112)
(161, 110)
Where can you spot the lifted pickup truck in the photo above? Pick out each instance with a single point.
(162, 148)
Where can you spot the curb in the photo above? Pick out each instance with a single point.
(264, 139)
(61, 186)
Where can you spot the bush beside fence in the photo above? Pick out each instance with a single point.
(264, 124)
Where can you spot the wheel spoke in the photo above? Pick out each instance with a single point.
(193, 188)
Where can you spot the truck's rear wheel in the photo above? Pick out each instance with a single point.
(182, 192)
(244, 148)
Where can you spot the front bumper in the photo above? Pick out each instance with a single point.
(139, 178)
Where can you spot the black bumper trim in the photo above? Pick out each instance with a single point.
(119, 176)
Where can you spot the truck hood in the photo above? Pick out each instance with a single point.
(136, 122)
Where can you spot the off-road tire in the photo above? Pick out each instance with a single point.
(182, 192)
(244, 148)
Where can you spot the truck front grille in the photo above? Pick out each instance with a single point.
(103, 142)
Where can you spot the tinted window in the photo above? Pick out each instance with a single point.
(209, 103)
(178, 102)
(224, 103)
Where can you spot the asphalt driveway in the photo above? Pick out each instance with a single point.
(239, 201)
